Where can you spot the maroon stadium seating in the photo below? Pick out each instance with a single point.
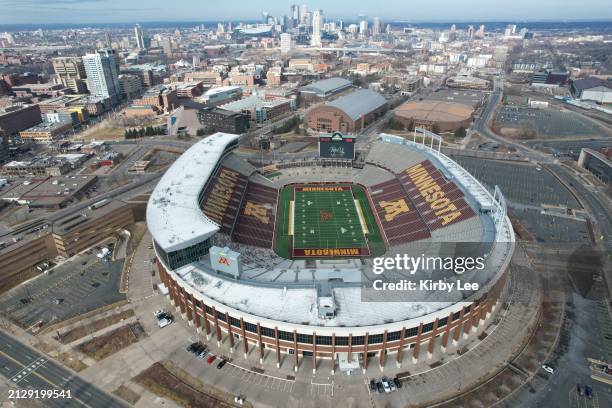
(255, 223)
(223, 196)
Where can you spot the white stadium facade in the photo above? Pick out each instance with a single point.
(315, 309)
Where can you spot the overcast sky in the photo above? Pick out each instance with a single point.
(118, 11)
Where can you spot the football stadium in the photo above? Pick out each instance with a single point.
(280, 260)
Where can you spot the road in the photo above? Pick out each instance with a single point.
(28, 369)
(599, 209)
(482, 126)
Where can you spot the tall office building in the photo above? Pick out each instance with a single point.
(481, 31)
(102, 70)
(363, 25)
(317, 23)
(376, 26)
(196, 60)
(303, 14)
(71, 72)
(109, 39)
(470, 32)
(266, 16)
(168, 46)
(295, 15)
(285, 43)
(141, 40)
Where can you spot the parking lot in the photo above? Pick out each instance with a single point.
(263, 380)
(520, 183)
(546, 123)
(551, 229)
(80, 285)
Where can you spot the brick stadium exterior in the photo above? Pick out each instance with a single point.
(407, 339)
(212, 318)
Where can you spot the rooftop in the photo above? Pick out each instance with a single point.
(359, 103)
(66, 224)
(174, 216)
(251, 102)
(591, 82)
(47, 126)
(222, 89)
(327, 86)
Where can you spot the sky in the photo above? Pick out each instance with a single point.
(129, 11)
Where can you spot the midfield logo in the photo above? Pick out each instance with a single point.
(223, 261)
(326, 215)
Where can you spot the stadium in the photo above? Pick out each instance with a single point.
(447, 116)
(278, 261)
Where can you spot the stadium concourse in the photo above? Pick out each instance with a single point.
(263, 292)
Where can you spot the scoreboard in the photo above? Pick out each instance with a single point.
(337, 146)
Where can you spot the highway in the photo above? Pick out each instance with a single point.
(26, 368)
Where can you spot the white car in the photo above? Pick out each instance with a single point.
(386, 386)
(163, 323)
(548, 369)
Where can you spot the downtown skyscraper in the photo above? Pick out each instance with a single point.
(103, 74)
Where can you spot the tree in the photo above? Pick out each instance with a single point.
(435, 128)
(460, 133)
(394, 124)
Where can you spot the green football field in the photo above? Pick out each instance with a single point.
(315, 219)
(326, 219)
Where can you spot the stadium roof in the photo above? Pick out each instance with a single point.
(221, 89)
(590, 82)
(435, 111)
(174, 216)
(359, 103)
(327, 86)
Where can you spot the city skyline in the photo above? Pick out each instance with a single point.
(115, 11)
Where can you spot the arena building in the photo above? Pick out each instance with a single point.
(468, 82)
(447, 116)
(348, 114)
(244, 262)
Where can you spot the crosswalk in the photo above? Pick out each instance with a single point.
(27, 370)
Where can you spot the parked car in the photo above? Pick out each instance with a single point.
(397, 382)
(386, 385)
(589, 392)
(221, 363)
(392, 385)
(163, 323)
(548, 369)
(210, 359)
(580, 390)
(372, 385)
(379, 387)
(202, 352)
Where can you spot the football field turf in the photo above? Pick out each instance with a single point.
(326, 219)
